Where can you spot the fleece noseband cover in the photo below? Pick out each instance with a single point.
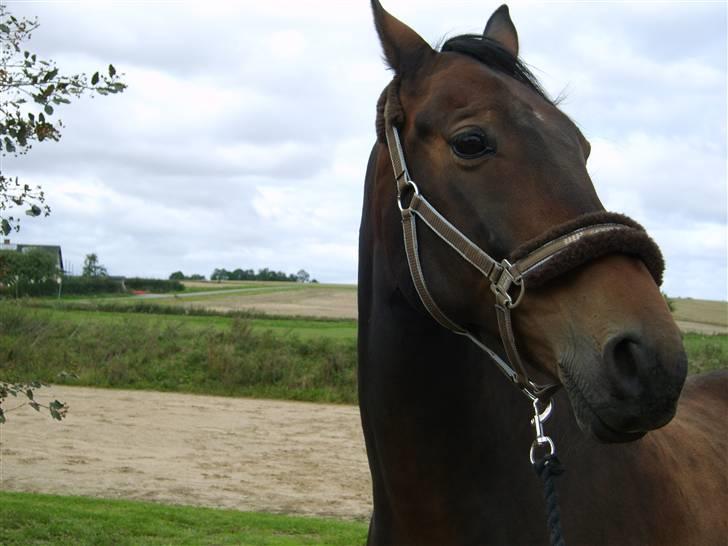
(627, 237)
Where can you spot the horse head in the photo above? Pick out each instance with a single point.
(503, 165)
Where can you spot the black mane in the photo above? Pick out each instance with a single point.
(483, 49)
(492, 54)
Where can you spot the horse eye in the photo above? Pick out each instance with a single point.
(471, 145)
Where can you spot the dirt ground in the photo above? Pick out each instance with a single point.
(261, 455)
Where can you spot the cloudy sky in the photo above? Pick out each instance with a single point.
(243, 137)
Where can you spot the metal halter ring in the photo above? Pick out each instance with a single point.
(502, 286)
(415, 192)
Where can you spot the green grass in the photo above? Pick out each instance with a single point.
(294, 359)
(303, 327)
(706, 352)
(32, 519)
(241, 355)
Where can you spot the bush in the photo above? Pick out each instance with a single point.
(22, 288)
(158, 286)
(30, 273)
(83, 286)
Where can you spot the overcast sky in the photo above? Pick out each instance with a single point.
(243, 137)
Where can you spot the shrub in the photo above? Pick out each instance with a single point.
(154, 285)
(83, 286)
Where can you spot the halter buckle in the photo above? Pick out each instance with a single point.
(501, 285)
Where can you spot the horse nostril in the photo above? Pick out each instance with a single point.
(626, 361)
(625, 357)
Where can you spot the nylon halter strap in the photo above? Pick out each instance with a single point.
(507, 281)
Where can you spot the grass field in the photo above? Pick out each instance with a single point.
(156, 312)
(167, 349)
(31, 519)
(277, 298)
(701, 316)
(703, 311)
(293, 359)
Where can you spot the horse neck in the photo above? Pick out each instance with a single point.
(435, 385)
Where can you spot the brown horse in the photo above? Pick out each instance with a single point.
(447, 435)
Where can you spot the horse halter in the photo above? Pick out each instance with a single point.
(560, 249)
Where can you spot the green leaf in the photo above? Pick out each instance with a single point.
(9, 146)
(2, 416)
(5, 227)
(35, 406)
(95, 78)
(5, 28)
(48, 109)
(29, 393)
(112, 70)
(50, 75)
(33, 211)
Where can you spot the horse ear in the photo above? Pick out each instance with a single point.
(404, 49)
(501, 29)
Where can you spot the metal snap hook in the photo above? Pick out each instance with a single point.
(540, 442)
(539, 418)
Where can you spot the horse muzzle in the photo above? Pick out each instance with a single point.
(629, 389)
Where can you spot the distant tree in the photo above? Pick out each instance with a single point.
(21, 271)
(31, 89)
(196, 277)
(220, 275)
(177, 276)
(92, 267)
(264, 274)
(9, 265)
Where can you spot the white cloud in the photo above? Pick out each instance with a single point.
(243, 138)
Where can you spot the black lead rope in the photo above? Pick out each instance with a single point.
(547, 469)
